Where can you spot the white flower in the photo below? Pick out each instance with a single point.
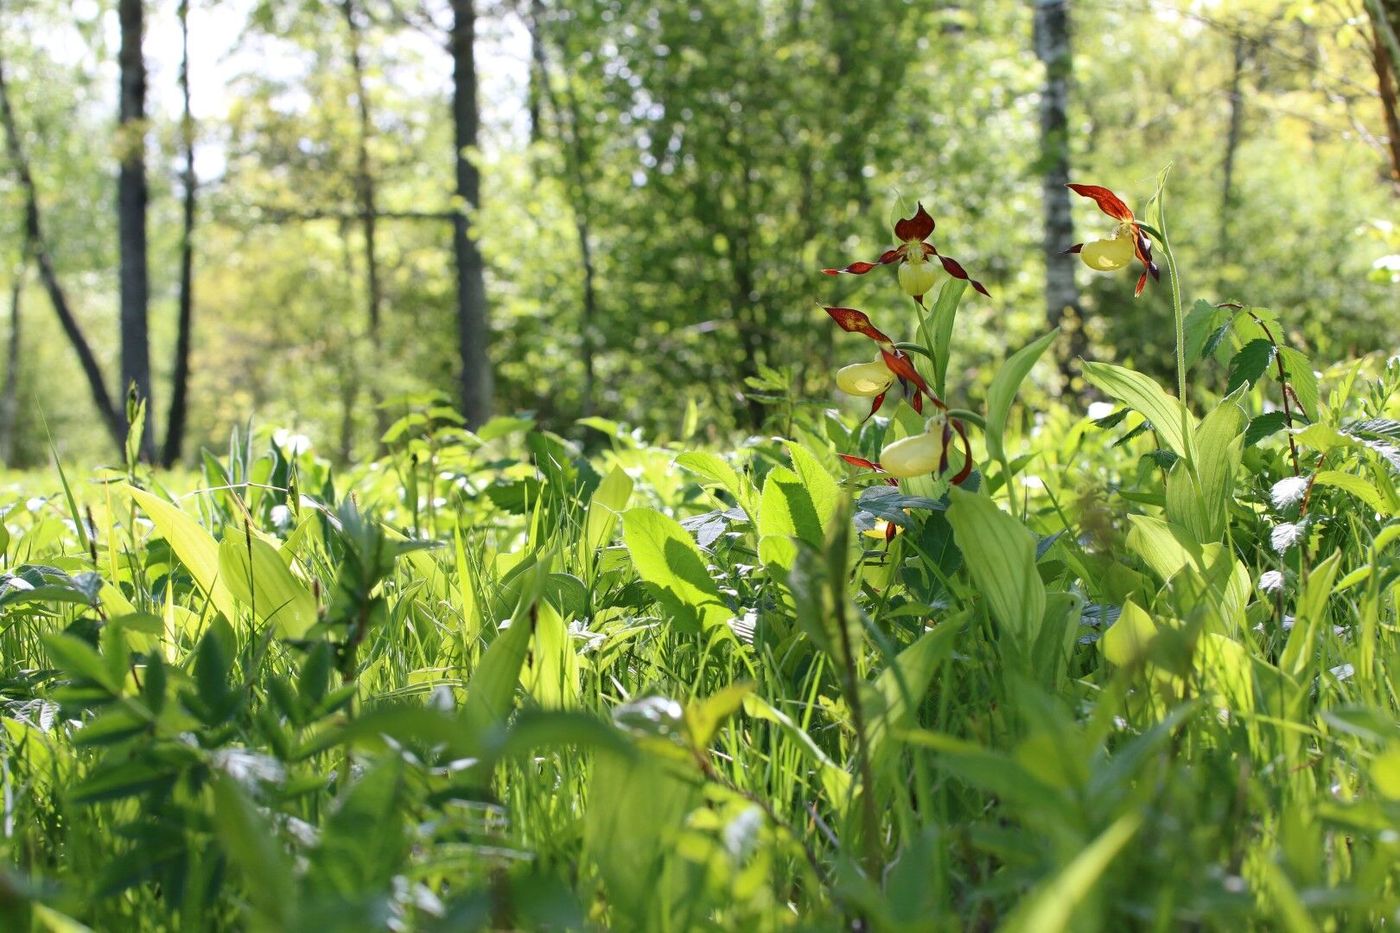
(1099, 410)
(1270, 581)
(1287, 534)
(294, 445)
(1288, 491)
(281, 517)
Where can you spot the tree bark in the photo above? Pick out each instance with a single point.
(1232, 144)
(364, 174)
(131, 216)
(9, 400)
(38, 247)
(473, 334)
(1385, 51)
(1062, 307)
(569, 120)
(179, 389)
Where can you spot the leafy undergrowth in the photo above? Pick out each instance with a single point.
(1139, 675)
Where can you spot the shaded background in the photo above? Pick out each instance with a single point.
(659, 185)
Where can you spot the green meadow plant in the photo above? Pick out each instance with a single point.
(952, 665)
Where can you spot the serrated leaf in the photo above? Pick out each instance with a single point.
(1249, 364)
(1301, 377)
(1200, 320)
(1263, 426)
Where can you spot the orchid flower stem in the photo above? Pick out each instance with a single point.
(1180, 315)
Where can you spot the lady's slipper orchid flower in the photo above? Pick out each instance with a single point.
(866, 380)
(895, 359)
(1128, 240)
(916, 273)
(920, 454)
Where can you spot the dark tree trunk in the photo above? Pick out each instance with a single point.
(1385, 51)
(37, 247)
(473, 335)
(131, 215)
(364, 174)
(1232, 144)
(569, 120)
(179, 389)
(9, 400)
(1062, 308)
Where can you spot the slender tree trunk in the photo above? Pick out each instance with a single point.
(131, 215)
(364, 174)
(1385, 51)
(9, 400)
(1062, 308)
(38, 247)
(1232, 144)
(179, 389)
(569, 119)
(348, 367)
(473, 334)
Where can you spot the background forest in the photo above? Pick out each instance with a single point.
(645, 191)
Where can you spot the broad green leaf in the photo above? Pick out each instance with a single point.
(703, 718)
(1054, 905)
(79, 660)
(1165, 548)
(608, 502)
(254, 572)
(1000, 554)
(1355, 485)
(1173, 424)
(1200, 499)
(1127, 639)
(1004, 387)
(48, 920)
(1311, 607)
(668, 560)
(713, 468)
(891, 699)
(491, 690)
(194, 546)
(936, 329)
(255, 852)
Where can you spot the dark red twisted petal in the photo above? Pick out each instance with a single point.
(903, 367)
(955, 269)
(913, 229)
(943, 457)
(1074, 249)
(966, 470)
(860, 268)
(861, 462)
(874, 407)
(1107, 201)
(856, 322)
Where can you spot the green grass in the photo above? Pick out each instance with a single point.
(492, 681)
